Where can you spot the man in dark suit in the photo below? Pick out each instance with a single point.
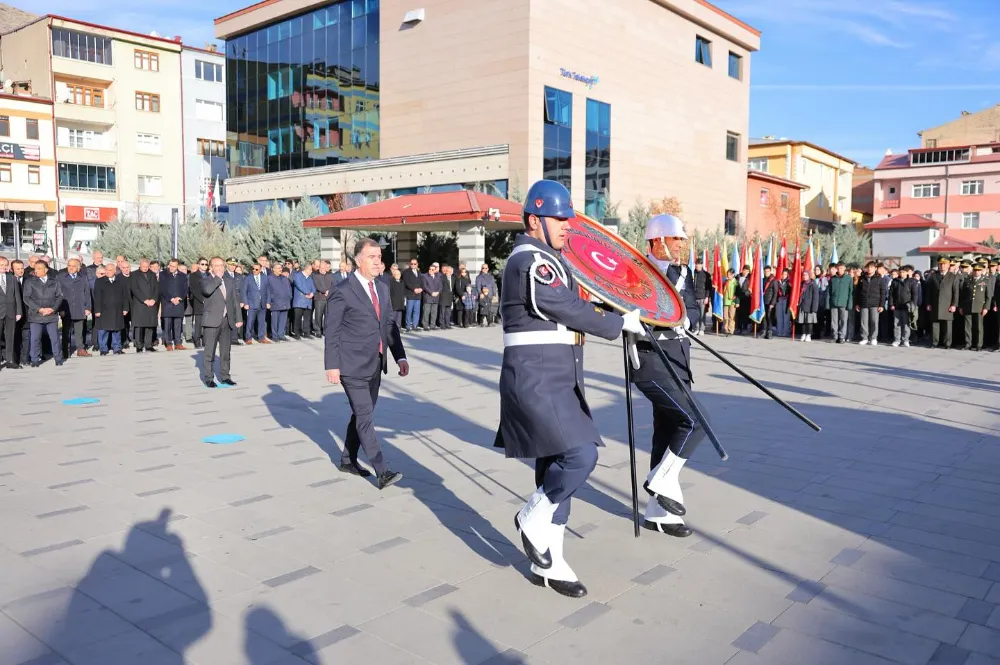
(11, 311)
(76, 309)
(199, 271)
(43, 298)
(222, 316)
(360, 327)
(254, 301)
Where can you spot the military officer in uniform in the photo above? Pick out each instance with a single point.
(975, 300)
(543, 411)
(942, 301)
(676, 432)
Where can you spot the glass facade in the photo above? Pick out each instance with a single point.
(558, 137)
(81, 46)
(304, 91)
(598, 158)
(87, 177)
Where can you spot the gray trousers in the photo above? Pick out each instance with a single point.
(869, 324)
(221, 337)
(362, 394)
(429, 311)
(901, 324)
(319, 315)
(838, 322)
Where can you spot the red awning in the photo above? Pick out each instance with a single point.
(950, 245)
(445, 209)
(907, 221)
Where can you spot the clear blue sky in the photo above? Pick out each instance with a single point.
(861, 76)
(856, 76)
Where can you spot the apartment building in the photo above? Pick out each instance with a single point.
(826, 200)
(27, 173)
(969, 128)
(205, 155)
(118, 122)
(372, 96)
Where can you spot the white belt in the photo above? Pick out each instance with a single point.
(540, 337)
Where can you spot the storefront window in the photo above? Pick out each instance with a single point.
(304, 92)
(598, 158)
(558, 136)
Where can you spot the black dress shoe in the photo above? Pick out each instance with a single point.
(389, 478)
(541, 559)
(227, 382)
(354, 470)
(33, 365)
(210, 384)
(59, 363)
(676, 530)
(13, 366)
(151, 350)
(568, 589)
(669, 505)
(119, 352)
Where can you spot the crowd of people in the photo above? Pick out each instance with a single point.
(107, 307)
(955, 306)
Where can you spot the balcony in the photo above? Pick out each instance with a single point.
(103, 116)
(103, 156)
(889, 203)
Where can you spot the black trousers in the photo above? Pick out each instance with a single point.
(22, 333)
(8, 340)
(467, 317)
(362, 395)
(767, 321)
(319, 315)
(221, 337)
(197, 331)
(674, 426)
(301, 318)
(444, 316)
(173, 330)
(560, 476)
(78, 329)
(143, 337)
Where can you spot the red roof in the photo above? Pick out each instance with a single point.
(904, 222)
(753, 174)
(441, 207)
(949, 244)
(894, 162)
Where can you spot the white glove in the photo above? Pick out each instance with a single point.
(632, 324)
(687, 323)
(633, 352)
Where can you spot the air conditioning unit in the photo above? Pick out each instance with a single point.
(493, 214)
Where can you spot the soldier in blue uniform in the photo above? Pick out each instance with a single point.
(543, 411)
(676, 432)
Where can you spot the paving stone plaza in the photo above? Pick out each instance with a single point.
(127, 540)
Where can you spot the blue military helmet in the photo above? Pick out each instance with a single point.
(548, 198)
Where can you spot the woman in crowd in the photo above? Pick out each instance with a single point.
(808, 306)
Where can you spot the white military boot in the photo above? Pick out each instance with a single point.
(664, 484)
(560, 577)
(658, 519)
(533, 522)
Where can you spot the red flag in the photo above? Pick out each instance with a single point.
(717, 284)
(795, 282)
(782, 258)
(809, 262)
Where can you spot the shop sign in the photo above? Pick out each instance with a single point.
(17, 151)
(91, 214)
(589, 81)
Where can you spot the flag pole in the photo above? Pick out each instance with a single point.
(631, 435)
(757, 384)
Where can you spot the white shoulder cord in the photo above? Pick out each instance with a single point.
(557, 271)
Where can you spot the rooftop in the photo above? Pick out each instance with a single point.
(11, 17)
(904, 161)
(763, 175)
(770, 140)
(899, 222)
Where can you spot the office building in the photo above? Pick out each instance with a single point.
(204, 104)
(27, 173)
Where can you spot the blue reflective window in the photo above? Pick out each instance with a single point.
(557, 137)
(598, 169)
(304, 91)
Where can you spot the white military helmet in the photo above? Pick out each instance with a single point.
(665, 226)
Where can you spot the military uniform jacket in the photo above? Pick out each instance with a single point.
(673, 342)
(543, 410)
(976, 295)
(942, 293)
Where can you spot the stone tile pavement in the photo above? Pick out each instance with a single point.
(125, 540)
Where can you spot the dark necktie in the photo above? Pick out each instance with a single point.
(378, 312)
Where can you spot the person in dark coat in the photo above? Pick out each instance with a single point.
(870, 297)
(941, 302)
(43, 299)
(145, 293)
(465, 297)
(544, 414)
(701, 280)
(770, 301)
(279, 301)
(808, 313)
(11, 313)
(76, 309)
(111, 303)
(413, 282)
(323, 281)
(173, 300)
(303, 293)
(432, 285)
(397, 296)
(255, 301)
(446, 302)
(198, 271)
(903, 300)
(486, 280)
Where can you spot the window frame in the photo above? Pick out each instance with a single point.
(147, 61)
(738, 139)
(143, 182)
(142, 97)
(155, 147)
(977, 185)
(34, 170)
(703, 51)
(28, 124)
(201, 66)
(933, 187)
(786, 201)
(765, 196)
(970, 216)
(5, 170)
(84, 95)
(738, 59)
(758, 159)
(5, 125)
(99, 46)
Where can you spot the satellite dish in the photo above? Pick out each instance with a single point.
(8, 84)
(154, 33)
